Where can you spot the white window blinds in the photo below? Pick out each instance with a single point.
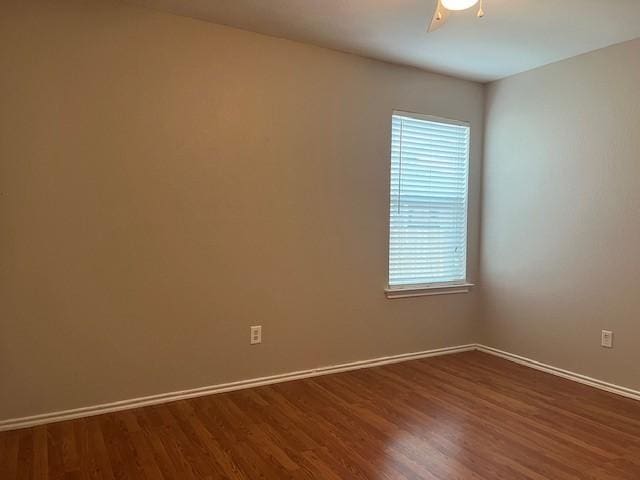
(428, 215)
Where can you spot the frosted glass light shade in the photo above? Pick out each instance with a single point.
(458, 4)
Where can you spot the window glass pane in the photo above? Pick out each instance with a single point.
(428, 208)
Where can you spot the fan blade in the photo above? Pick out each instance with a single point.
(439, 17)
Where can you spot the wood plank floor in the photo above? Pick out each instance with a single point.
(464, 416)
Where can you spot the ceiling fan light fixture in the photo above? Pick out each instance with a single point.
(458, 4)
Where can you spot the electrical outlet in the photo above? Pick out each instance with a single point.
(256, 334)
(607, 339)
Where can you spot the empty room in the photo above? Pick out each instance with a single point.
(320, 239)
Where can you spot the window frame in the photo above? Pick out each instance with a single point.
(438, 288)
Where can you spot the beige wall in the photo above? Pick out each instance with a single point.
(561, 214)
(165, 183)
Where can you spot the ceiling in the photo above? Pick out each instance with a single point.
(514, 36)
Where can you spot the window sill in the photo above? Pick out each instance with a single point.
(426, 290)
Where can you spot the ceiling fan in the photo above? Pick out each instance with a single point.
(445, 7)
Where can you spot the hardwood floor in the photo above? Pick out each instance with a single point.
(464, 416)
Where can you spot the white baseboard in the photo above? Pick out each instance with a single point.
(24, 422)
(576, 377)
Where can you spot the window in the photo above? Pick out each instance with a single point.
(428, 207)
